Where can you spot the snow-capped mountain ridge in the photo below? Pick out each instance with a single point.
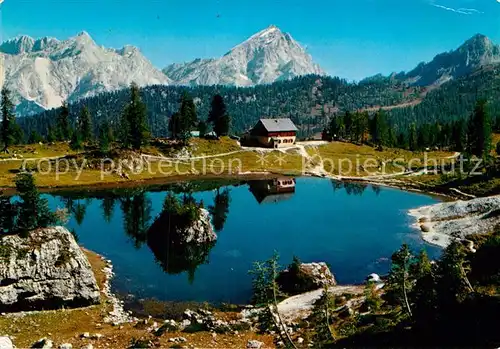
(42, 73)
(265, 57)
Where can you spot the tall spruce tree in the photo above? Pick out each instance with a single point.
(85, 125)
(480, 131)
(413, 138)
(63, 125)
(380, 128)
(34, 211)
(134, 126)
(188, 118)
(8, 120)
(218, 116)
(104, 137)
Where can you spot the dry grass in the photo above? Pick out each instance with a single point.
(335, 155)
(35, 151)
(66, 326)
(350, 159)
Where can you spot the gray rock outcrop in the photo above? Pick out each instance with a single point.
(46, 270)
(306, 277)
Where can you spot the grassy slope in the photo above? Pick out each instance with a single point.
(239, 162)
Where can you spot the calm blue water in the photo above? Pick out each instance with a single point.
(354, 228)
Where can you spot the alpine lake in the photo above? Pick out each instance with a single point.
(354, 227)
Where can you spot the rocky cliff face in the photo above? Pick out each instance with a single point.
(45, 72)
(47, 270)
(266, 57)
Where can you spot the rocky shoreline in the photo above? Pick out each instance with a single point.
(443, 223)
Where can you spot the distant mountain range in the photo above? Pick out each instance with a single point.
(43, 73)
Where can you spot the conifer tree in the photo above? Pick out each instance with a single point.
(134, 127)
(399, 284)
(380, 128)
(85, 125)
(34, 211)
(34, 137)
(51, 137)
(218, 116)
(104, 137)
(202, 128)
(76, 141)
(413, 138)
(8, 120)
(63, 125)
(459, 135)
(480, 131)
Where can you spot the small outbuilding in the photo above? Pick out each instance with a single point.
(274, 133)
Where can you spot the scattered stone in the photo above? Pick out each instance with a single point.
(88, 346)
(66, 346)
(426, 228)
(43, 343)
(6, 343)
(85, 335)
(254, 344)
(177, 340)
(373, 278)
(97, 336)
(300, 340)
(54, 268)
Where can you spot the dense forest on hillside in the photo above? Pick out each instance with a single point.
(454, 100)
(308, 100)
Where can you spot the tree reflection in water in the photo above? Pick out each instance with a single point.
(166, 237)
(353, 188)
(220, 209)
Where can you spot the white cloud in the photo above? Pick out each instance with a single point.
(461, 10)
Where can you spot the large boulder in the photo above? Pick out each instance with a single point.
(305, 277)
(46, 270)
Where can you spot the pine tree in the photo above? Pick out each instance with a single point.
(498, 149)
(413, 138)
(63, 125)
(51, 137)
(104, 137)
(459, 135)
(134, 127)
(8, 120)
(323, 335)
(76, 141)
(174, 125)
(85, 125)
(380, 128)
(218, 116)
(399, 284)
(480, 131)
(187, 118)
(34, 137)
(34, 211)
(202, 128)
(424, 294)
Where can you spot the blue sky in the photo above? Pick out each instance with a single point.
(348, 38)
